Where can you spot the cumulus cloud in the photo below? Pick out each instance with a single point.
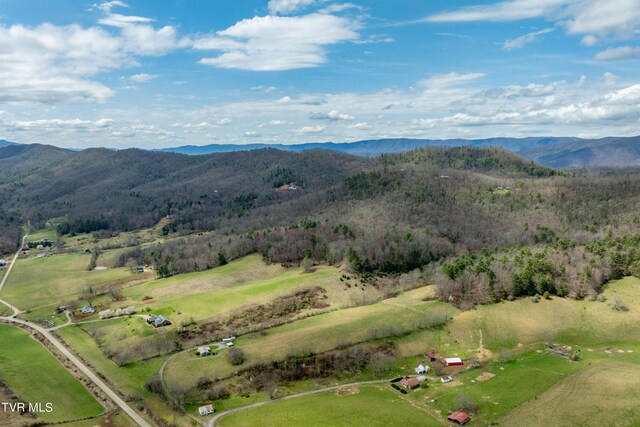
(288, 6)
(622, 52)
(274, 43)
(521, 41)
(108, 5)
(333, 115)
(53, 64)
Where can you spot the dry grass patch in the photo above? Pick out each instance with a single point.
(604, 393)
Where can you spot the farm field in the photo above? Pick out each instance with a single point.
(371, 405)
(558, 319)
(317, 334)
(218, 291)
(34, 375)
(130, 379)
(56, 279)
(604, 392)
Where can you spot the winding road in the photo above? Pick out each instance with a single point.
(73, 359)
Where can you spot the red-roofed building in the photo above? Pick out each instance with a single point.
(431, 355)
(460, 418)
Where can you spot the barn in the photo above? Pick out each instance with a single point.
(452, 361)
(460, 418)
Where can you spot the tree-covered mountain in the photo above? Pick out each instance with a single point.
(386, 214)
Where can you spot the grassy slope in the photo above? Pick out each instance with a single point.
(372, 406)
(36, 376)
(130, 379)
(37, 282)
(318, 333)
(604, 392)
(221, 290)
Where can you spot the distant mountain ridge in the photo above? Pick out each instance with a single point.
(5, 143)
(375, 147)
(557, 152)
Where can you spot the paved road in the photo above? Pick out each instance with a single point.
(93, 377)
(212, 421)
(15, 310)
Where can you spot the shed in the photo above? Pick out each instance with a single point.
(421, 369)
(452, 361)
(225, 340)
(3, 263)
(203, 351)
(206, 410)
(140, 269)
(446, 379)
(422, 378)
(460, 418)
(431, 355)
(410, 383)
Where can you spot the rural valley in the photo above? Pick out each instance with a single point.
(319, 213)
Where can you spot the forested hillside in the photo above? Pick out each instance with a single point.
(389, 214)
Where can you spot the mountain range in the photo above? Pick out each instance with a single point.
(557, 152)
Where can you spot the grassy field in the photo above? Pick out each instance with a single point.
(370, 406)
(318, 333)
(219, 291)
(602, 392)
(36, 376)
(514, 383)
(130, 379)
(57, 279)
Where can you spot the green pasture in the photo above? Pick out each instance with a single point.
(36, 376)
(373, 405)
(57, 279)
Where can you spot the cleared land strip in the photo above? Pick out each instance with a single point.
(93, 377)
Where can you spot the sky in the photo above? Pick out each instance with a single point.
(154, 74)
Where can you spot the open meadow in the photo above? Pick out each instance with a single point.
(371, 405)
(56, 280)
(34, 375)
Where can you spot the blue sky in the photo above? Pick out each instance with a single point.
(158, 74)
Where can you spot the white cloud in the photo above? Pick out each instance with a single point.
(333, 115)
(449, 79)
(251, 134)
(274, 43)
(278, 122)
(108, 5)
(142, 77)
(360, 126)
(503, 11)
(596, 19)
(117, 20)
(623, 52)
(311, 129)
(521, 41)
(288, 6)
